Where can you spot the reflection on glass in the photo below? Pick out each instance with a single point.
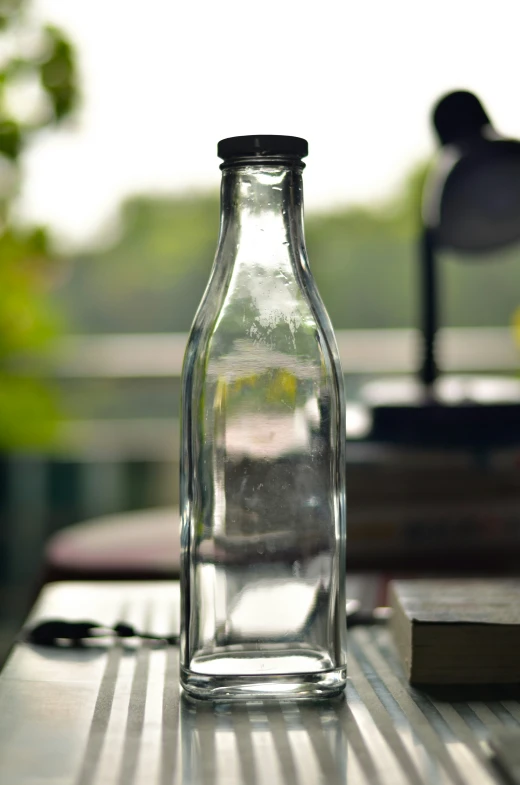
(262, 742)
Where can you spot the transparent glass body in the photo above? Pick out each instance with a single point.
(263, 459)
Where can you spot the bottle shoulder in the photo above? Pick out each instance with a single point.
(265, 315)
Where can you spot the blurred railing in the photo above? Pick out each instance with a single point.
(151, 433)
(362, 352)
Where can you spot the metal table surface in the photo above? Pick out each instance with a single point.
(109, 715)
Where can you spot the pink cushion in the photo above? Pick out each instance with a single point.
(136, 544)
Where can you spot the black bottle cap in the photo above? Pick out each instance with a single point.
(459, 115)
(262, 146)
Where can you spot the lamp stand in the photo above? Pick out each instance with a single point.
(428, 289)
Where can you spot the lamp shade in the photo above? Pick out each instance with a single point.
(472, 198)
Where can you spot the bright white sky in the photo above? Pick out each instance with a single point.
(163, 81)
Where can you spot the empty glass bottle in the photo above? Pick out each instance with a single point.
(263, 450)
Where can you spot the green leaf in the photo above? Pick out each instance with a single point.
(10, 139)
(58, 74)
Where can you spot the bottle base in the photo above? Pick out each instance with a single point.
(283, 686)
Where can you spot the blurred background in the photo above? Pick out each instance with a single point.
(109, 117)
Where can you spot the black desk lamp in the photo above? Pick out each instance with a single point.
(471, 203)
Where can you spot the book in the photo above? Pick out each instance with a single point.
(457, 631)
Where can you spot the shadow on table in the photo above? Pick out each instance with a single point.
(198, 743)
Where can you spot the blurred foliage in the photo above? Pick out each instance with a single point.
(153, 277)
(364, 261)
(37, 91)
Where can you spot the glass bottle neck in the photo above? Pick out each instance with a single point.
(262, 208)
